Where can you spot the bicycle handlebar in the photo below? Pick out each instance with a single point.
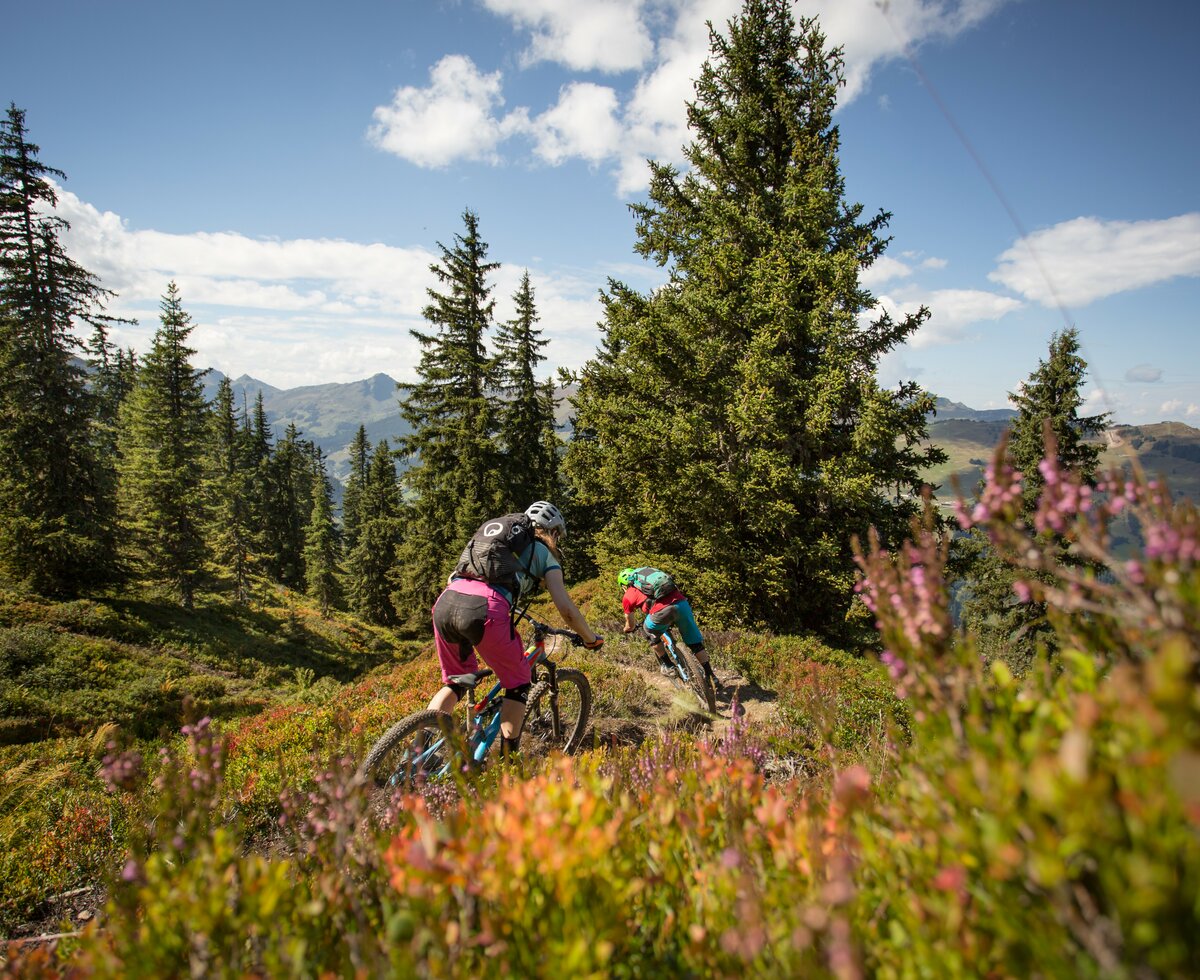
(545, 629)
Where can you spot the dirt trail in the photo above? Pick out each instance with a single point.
(677, 707)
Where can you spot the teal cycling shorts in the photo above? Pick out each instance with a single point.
(676, 614)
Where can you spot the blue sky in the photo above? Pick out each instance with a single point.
(294, 165)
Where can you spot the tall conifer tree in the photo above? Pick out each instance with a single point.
(453, 475)
(1052, 396)
(526, 423)
(356, 482)
(229, 482)
(371, 571)
(288, 506)
(736, 430)
(322, 548)
(162, 437)
(57, 529)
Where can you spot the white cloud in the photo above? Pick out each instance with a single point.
(666, 41)
(950, 311)
(604, 35)
(1144, 374)
(301, 311)
(582, 124)
(934, 263)
(1085, 259)
(1171, 407)
(884, 269)
(451, 119)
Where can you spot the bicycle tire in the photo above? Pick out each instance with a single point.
(548, 719)
(697, 681)
(383, 766)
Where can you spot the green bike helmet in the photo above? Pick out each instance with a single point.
(625, 577)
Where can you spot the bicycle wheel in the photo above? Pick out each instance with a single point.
(422, 747)
(556, 719)
(692, 674)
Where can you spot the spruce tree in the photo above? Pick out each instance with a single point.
(1004, 627)
(163, 429)
(356, 481)
(288, 507)
(453, 476)
(1054, 394)
(322, 549)
(229, 477)
(57, 532)
(371, 566)
(526, 418)
(736, 431)
(259, 445)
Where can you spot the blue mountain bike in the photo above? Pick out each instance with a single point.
(689, 673)
(432, 744)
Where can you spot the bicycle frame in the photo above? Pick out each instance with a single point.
(669, 643)
(481, 735)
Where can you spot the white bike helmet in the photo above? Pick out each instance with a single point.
(545, 515)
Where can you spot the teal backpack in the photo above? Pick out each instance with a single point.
(653, 582)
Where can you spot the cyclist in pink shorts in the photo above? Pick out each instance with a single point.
(476, 611)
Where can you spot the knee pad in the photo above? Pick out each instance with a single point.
(519, 694)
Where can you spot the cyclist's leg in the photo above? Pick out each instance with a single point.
(501, 648)
(459, 616)
(685, 619)
(655, 626)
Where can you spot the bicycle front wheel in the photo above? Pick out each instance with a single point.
(422, 747)
(555, 718)
(692, 674)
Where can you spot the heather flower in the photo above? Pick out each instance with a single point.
(120, 770)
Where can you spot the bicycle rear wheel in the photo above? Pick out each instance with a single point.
(424, 746)
(692, 674)
(556, 719)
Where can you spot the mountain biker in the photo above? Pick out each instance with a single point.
(472, 616)
(672, 609)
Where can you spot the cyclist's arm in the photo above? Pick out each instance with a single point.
(553, 583)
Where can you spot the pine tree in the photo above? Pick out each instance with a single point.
(371, 566)
(1051, 398)
(259, 445)
(56, 516)
(454, 477)
(289, 505)
(228, 489)
(526, 418)
(356, 481)
(322, 549)
(736, 432)
(163, 429)
(1054, 394)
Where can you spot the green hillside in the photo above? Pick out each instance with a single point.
(1168, 449)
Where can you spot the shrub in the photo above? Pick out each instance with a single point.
(1050, 824)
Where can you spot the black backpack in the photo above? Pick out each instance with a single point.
(491, 554)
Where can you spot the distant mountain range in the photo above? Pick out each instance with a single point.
(330, 415)
(945, 410)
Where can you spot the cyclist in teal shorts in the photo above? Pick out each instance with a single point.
(670, 609)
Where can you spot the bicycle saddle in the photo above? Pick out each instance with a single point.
(470, 680)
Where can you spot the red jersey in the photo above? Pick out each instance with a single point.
(636, 599)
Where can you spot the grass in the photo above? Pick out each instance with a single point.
(136, 660)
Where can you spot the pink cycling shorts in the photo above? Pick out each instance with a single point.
(471, 617)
